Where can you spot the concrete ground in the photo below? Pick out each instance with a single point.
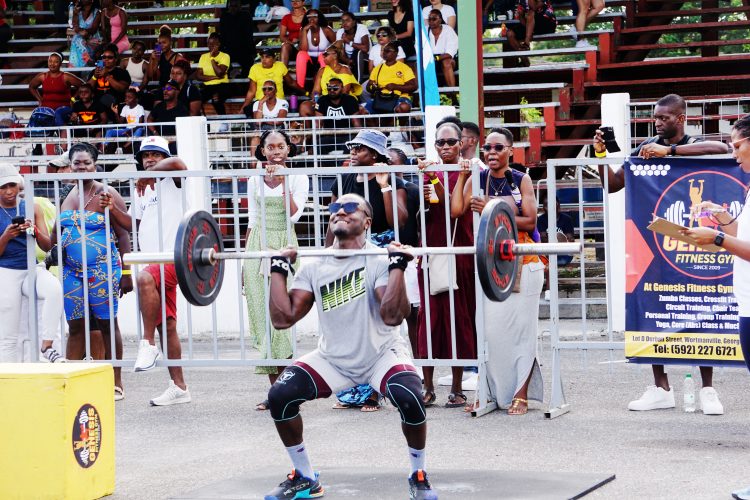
(171, 451)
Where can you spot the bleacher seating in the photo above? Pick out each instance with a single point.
(628, 54)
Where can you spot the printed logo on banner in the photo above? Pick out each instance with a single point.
(87, 436)
(674, 205)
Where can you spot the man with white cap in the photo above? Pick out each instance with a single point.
(14, 228)
(158, 208)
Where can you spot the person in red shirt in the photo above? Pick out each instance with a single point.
(289, 29)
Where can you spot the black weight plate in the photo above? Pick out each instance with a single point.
(497, 223)
(199, 281)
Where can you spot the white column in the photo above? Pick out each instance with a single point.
(192, 148)
(615, 112)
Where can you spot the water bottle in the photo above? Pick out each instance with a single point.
(688, 394)
(71, 7)
(292, 103)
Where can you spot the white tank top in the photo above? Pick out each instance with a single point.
(136, 71)
(316, 50)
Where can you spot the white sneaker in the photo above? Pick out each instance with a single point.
(470, 384)
(53, 356)
(573, 32)
(148, 355)
(655, 398)
(743, 494)
(172, 396)
(582, 43)
(448, 379)
(710, 404)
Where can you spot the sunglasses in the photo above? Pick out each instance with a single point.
(442, 142)
(736, 144)
(169, 87)
(108, 57)
(434, 19)
(382, 35)
(268, 89)
(349, 207)
(312, 16)
(333, 88)
(329, 53)
(495, 147)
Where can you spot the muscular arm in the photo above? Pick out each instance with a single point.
(287, 307)
(394, 304)
(402, 214)
(702, 148)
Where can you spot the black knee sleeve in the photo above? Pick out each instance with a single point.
(293, 387)
(404, 390)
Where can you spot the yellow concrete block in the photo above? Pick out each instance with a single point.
(57, 431)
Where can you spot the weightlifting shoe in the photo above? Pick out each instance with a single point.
(419, 487)
(148, 355)
(655, 398)
(710, 404)
(296, 486)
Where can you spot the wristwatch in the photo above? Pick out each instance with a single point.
(719, 239)
(673, 150)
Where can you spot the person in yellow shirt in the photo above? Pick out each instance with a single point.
(390, 84)
(213, 70)
(269, 69)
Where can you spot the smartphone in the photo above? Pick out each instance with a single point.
(100, 63)
(18, 220)
(157, 49)
(608, 134)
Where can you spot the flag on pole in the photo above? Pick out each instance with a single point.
(428, 85)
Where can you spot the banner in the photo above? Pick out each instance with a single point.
(428, 84)
(679, 302)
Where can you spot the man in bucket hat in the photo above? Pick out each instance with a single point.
(151, 206)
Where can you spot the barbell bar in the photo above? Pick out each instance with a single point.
(199, 253)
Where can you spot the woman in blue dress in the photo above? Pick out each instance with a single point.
(83, 227)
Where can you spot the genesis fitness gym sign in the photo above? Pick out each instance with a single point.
(679, 302)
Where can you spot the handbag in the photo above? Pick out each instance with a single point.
(442, 270)
(383, 102)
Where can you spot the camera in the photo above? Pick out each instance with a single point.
(608, 134)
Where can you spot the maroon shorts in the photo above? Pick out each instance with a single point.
(170, 287)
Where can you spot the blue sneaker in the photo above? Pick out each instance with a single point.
(296, 486)
(419, 487)
(743, 494)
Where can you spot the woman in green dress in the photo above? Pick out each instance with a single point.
(275, 204)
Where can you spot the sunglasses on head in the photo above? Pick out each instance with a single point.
(268, 89)
(442, 142)
(496, 147)
(349, 207)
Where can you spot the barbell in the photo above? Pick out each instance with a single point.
(199, 253)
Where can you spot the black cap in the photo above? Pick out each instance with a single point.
(172, 83)
(267, 52)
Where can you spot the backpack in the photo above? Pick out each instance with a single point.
(41, 117)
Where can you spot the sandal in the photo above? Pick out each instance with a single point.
(338, 405)
(518, 406)
(262, 406)
(429, 398)
(370, 406)
(456, 400)
(119, 394)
